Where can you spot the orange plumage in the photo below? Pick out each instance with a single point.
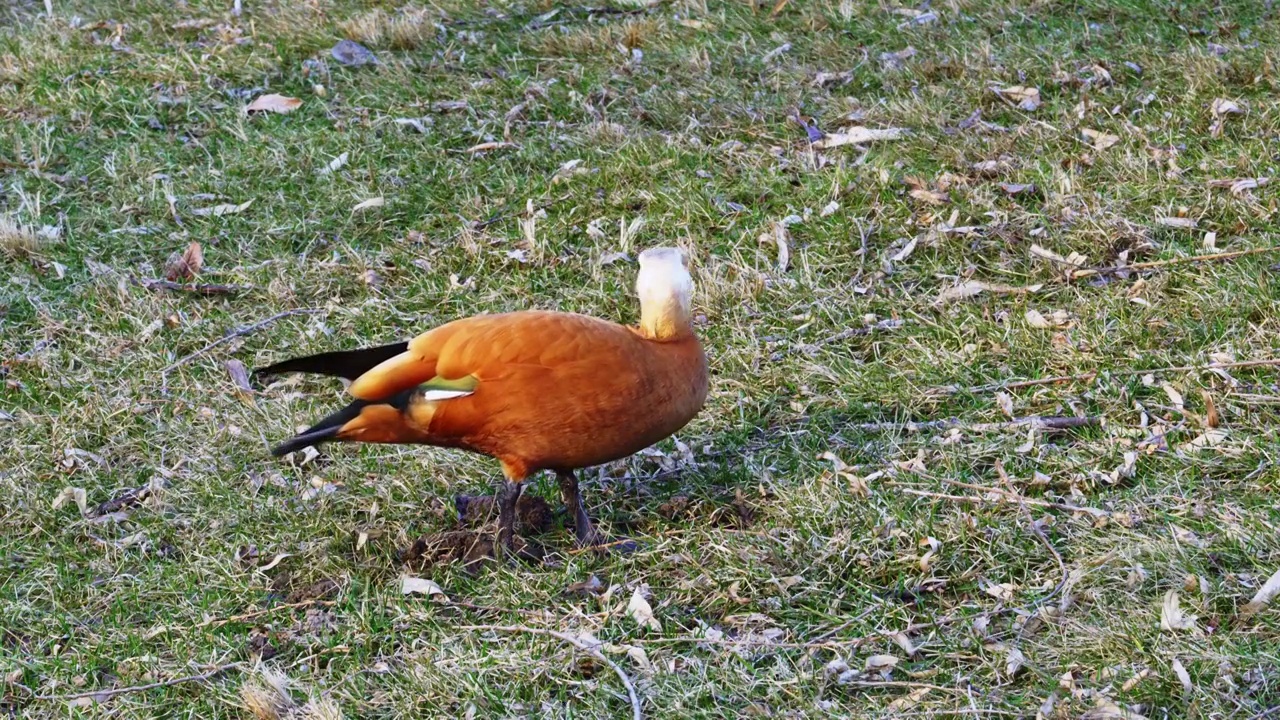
(536, 390)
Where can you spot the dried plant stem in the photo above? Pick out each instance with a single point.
(981, 501)
(636, 712)
(239, 332)
(1090, 272)
(1044, 423)
(1024, 499)
(1087, 376)
(219, 622)
(196, 288)
(135, 688)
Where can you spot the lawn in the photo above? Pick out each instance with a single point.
(986, 288)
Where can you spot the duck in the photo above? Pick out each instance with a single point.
(536, 390)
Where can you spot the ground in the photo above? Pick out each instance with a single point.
(895, 214)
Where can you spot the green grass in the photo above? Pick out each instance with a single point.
(115, 136)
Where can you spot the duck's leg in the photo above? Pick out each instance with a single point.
(508, 493)
(582, 526)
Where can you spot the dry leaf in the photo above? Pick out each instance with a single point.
(1100, 140)
(335, 164)
(1220, 109)
(908, 701)
(1207, 439)
(973, 288)
(1018, 188)
(410, 585)
(194, 24)
(1002, 591)
(1171, 616)
(906, 250)
(1074, 260)
(370, 203)
(1005, 401)
(883, 664)
(1177, 222)
(1263, 597)
(240, 378)
(1175, 397)
(487, 146)
(1026, 98)
(279, 558)
(639, 609)
(782, 238)
(1036, 320)
(858, 135)
(185, 266)
(273, 103)
(1013, 662)
(72, 493)
(220, 210)
(930, 197)
(1183, 676)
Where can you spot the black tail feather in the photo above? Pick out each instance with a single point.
(349, 364)
(327, 429)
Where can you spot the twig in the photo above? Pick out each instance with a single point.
(1035, 530)
(636, 713)
(1087, 376)
(1090, 272)
(1266, 713)
(980, 501)
(1030, 501)
(239, 332)
(134, 688)
(219, 622)
(197, 288)
(1039, 422)
(811, 348)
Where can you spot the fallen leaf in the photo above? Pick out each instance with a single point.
(334, 165)
(1175, 397)
(908, 701)
(973, 288)
(273, 103)
(72, 494)
(1018, 188)
(1005, 401)
(279, 558)
(781, 237)
(352, 54)
(1100, 140)
(444, 106)
(185, 266)
(1014, 660)
(419, 124)
(883, 664)
(370, 203)
(1036, 320)
(487, 146)
(1171, 616)
(1207, 439)
(1220, 109)
(1074, 260)
(590, 586)
(1002, 591)
(639, 609)
(194, 24)
(829, 209)
(1239, 186)
(930, 197)
(906, 250)
(1183, 676)
(858, 135)
(220, 210)
(410, 585)
(240, 378)
(1025, 98)
(1264, 596)
(1176, 222)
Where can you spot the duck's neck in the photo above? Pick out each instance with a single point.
(665, 319)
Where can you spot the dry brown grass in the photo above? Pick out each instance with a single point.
(407, 28)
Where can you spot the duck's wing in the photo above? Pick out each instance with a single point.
(453, 359)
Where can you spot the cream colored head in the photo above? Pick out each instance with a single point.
(666, 293)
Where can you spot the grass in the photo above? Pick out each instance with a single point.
(768, 571)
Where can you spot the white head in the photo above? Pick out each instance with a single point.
(666, 293)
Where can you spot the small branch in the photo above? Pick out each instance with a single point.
(239, 332)
(982, 501)
(1024, 499)
(1091, 272)
(1088, 376)
(135, 688)
(196, 288)
(1042, 423)
(219, 622)
(636, 713)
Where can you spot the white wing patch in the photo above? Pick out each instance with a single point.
(436, 395)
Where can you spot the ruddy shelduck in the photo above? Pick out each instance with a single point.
(537, 390)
